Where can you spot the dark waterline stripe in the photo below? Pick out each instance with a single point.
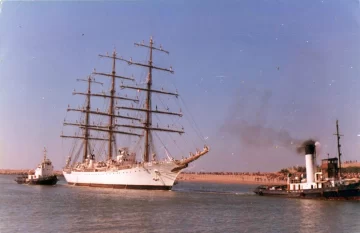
(119, 186)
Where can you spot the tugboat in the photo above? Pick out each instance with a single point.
(43, 174)
(325, 184)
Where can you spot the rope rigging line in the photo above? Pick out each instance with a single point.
(192, 125)
(172, 139)
(164, 145)
(174, 123)
(62, 130)
(139, 114)
(165, 106)
(136, 145)
(101, 148)
(152, 144)
(191, 120)
(74, 141)
(76, 157)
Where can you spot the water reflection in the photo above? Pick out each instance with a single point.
(327, 216)
(197, 207)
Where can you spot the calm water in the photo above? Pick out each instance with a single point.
(191, 207)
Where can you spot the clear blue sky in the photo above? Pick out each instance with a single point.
(280, 65)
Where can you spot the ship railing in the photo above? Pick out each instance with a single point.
(114, 167)
(193, 157)
(159, 162)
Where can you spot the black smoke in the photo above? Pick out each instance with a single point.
(255, 133)
(307, 147)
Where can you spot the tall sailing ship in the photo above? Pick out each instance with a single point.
(124, 170)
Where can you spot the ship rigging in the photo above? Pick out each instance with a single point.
(138, 126)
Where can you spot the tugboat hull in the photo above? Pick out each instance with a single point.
(49, 180)
(21, 179)
(348, 192)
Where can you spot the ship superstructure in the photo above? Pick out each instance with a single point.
(120, 168)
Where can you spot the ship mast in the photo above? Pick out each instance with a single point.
(111, 113)
(111, 108)
(147, 124)
(87, 114)
(148, 120)
(338, 145)
(86, 134)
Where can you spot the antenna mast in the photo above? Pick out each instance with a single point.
(338, 145)
(45, 153)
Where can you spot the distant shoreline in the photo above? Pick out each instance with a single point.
(270, 178)
(22, 172)
(246, 178)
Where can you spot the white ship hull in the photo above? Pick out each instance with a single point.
(150, 176)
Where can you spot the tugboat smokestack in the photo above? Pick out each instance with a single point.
(310, 151)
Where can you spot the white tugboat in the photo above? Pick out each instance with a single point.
(43, 174)
(125, 171)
